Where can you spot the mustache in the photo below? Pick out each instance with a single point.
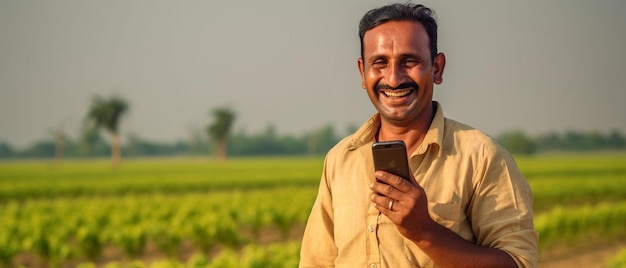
(405, 85)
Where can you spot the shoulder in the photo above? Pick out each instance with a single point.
(491, 162)
(466, 137)
(472, 144)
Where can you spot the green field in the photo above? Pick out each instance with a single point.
(196, 212)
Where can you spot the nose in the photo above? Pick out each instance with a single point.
(396, 75)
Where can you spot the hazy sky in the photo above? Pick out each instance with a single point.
(540, 66)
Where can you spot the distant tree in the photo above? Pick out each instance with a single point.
(549, 142)
(41, 149)
(137, 146)
(616, 140)
(106, 114)
(517, 142)
(326, 138)
(6, 150)
(573, 140)
(321, 140)
(90, 142)
(219, 130)
(312, 140)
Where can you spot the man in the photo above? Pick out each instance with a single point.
(466, 203)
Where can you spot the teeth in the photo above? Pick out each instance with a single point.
(397, 93)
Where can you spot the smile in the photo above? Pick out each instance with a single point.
(397, 93)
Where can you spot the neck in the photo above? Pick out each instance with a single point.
(411, 133)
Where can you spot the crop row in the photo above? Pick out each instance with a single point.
(564, 180)
(561, 191)
(574, 180)
(36, 180)
(582, 226)
(78, 210)
(62, 229)
(277, 255)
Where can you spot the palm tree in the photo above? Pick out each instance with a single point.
(220, 129)
(106, 113)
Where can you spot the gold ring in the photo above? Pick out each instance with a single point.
(391, 204)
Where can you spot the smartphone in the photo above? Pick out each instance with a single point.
(391, 156)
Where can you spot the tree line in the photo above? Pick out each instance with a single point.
(105, 114)
(518, 142)
(264, 143)
(315, 142)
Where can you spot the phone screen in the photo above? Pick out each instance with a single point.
(391, 156)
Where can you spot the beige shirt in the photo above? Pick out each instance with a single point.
(473, 185)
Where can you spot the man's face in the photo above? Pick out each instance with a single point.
(398, 73)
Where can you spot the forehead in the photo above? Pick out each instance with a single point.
(396, 36)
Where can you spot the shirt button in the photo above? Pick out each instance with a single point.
(373, 265)
(372, 229)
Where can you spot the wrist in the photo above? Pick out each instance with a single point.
(427, 234)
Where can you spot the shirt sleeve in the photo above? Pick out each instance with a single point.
(318, 246)
(501, 209)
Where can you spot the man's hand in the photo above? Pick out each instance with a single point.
(403, 202)
(406, 205)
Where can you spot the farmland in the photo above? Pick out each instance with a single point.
(246, 212)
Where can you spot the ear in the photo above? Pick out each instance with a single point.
(439, 65)
(362, 71)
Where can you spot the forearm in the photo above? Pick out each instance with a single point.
(447, 249)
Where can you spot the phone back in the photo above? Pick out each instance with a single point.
(391, 156)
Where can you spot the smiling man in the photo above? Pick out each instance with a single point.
(466, 204)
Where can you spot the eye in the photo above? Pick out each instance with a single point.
(411, 62)
(379, 63)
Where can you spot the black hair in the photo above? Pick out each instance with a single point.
(402, 12)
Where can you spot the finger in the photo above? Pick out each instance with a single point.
(383, 204)
(383, 189)
(397, 182)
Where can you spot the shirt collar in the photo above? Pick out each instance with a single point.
(365, 134)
